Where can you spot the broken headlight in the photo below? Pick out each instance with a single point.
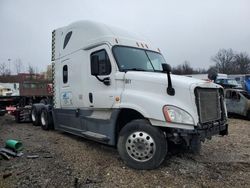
(176, 115)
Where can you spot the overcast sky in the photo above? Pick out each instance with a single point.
(191, 30)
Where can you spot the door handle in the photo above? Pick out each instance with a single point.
(90, 97)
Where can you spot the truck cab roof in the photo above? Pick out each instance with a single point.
(88, 34)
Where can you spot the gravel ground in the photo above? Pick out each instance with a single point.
(70, 161)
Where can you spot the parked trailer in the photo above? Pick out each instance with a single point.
(21, 91)
(114, 88)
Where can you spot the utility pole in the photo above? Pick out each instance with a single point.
(9, 64)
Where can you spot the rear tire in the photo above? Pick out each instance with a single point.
(141, 145)
(35, 116)
(46, 120)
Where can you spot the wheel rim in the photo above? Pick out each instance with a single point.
(33, 117)
(140, 146)
(43, 121)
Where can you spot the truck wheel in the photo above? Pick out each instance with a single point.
(141, 145)
(35, 116)
(46, 120)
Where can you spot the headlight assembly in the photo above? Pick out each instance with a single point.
(176, 115)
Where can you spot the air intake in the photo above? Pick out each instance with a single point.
(208, 104)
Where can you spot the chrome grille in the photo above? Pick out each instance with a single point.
(209, 105)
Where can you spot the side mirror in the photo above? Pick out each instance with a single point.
(166, 68)
(94, 65)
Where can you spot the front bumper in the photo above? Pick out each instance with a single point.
(204, 132)
(221, 129)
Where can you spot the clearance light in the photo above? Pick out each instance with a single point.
(116, 40)
(142, 45)
(158, 49)
(146, 45)
(137, 44)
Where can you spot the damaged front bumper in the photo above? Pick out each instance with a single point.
(203, 132)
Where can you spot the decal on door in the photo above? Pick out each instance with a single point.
(66, 98)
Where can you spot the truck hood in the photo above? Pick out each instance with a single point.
(161, 78)
(148, 91)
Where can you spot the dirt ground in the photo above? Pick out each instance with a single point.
(70, 161)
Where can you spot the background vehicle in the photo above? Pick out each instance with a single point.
(244, 80)
(111, 87)
(238, 102)
(228, 83)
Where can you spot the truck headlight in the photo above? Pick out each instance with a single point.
(176, 115)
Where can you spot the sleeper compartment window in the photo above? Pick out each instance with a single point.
(66, 40)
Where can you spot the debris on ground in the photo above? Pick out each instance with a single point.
(32, 156)
(4, 155)
(77, 162)
(11, 152)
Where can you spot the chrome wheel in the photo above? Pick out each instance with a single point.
(140, 146)
(33, 116)
(43, 121)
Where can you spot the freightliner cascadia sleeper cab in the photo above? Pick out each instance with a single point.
(115, 88)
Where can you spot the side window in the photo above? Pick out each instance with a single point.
(235, 96)
(66, 39)
(65, 74)
(104, 65)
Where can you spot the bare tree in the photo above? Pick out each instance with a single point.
(18, 65)
(230, 62)
(2, 68)
(49, 72)
(242, 62)
(7, 72)
(224, 60)
(184, 68)
(4, 71)
(31, 71)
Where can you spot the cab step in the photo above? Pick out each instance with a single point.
(96, 136)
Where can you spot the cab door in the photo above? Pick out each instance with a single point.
(102, 90)
(235, 102)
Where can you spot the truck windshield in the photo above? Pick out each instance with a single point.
(231, 81)
(129, 58)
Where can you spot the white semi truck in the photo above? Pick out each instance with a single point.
(111, 87)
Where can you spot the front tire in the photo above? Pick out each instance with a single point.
(141, 145)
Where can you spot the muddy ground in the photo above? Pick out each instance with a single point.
(70, 161)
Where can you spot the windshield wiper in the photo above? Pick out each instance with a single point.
(135, 69)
